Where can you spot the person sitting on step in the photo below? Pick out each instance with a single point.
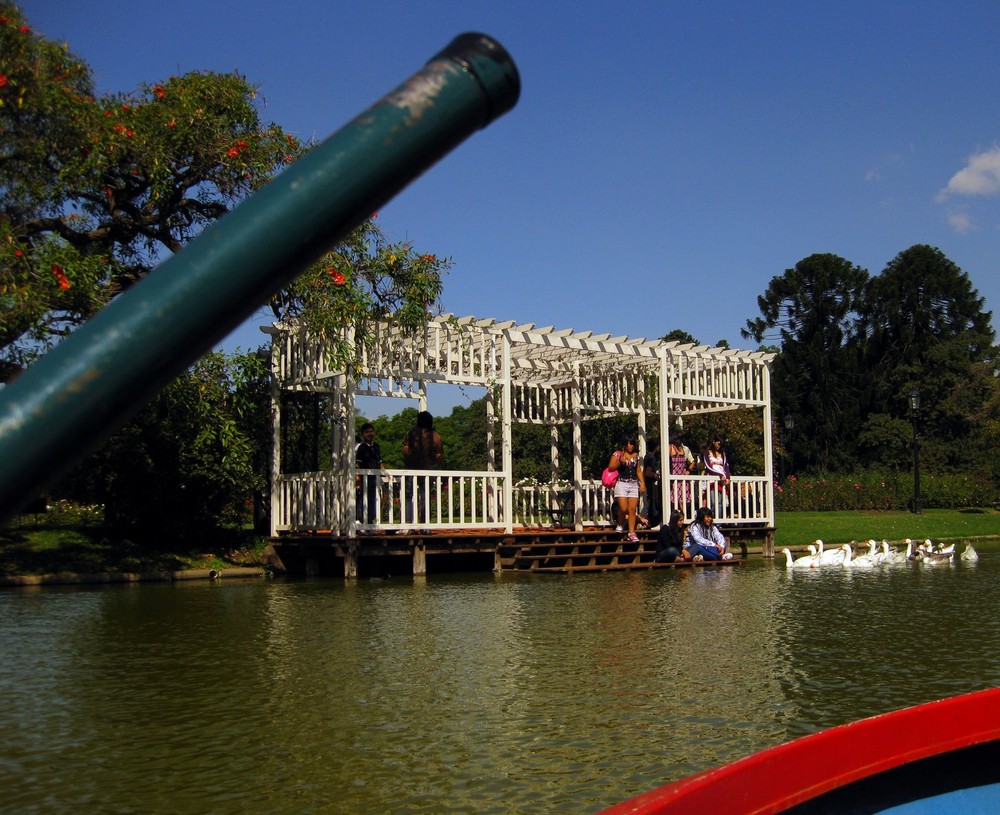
(705, 541)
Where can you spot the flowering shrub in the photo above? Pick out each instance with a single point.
(874, 490)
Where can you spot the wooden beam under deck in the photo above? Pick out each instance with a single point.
(542, 551)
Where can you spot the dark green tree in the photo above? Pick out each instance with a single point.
(679, 335)
(193, 459)
(925, 327)
(811, 310)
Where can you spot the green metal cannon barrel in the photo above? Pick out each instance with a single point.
(81, 391)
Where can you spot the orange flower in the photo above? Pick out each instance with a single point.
(232, 152)
(337, 276)
(63, 280)
(3, 80)
(159, 91)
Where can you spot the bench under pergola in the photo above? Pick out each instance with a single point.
(539, 375)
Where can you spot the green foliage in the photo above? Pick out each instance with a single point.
(814, 306)
(679, 335)
(741, 433)
(364, 278)
(852, 348)
(193, 459)
(72, 537)
(96, 188)
(882, 491)
(925, 327)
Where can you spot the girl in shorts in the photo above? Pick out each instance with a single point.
(630, 484)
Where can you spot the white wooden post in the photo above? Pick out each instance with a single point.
(508, 461)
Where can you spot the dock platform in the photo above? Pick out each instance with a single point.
(444, 551)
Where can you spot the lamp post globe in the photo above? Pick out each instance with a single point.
(914, 419)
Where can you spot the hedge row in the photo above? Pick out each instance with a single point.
(882, 491)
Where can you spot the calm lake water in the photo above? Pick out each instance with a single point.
(472, 693)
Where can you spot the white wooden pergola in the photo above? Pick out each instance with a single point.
(531, 374)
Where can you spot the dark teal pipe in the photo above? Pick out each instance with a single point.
(85, 388)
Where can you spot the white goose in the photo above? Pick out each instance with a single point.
(970, 555)
(936, 556)
(865, 561)
(830, 557)
(809, 561)
(892, 556)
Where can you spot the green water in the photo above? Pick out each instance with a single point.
(475, 693)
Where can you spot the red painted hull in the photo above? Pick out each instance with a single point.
(939, 748)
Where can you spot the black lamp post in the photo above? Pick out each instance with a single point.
(789, 423)
(914, 418)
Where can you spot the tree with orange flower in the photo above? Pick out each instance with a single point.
(364, 277)
(96, 190)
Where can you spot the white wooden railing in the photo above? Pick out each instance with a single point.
(404, 499)
(455, 499)
(745, 501)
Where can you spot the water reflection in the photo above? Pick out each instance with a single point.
(497, 694)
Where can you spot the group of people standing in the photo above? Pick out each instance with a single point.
(422, 450)
(702, 540)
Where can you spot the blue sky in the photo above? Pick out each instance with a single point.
(666, 159)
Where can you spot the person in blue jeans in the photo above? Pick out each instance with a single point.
(705, 541)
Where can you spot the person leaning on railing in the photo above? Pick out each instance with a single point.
(422, 450)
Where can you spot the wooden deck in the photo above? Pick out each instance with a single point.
(444, 551)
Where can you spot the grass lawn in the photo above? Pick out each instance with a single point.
(794, 529)
(61, 543)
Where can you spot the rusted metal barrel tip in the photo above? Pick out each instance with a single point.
(491, 65)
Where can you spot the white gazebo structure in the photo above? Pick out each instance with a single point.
(530, 374)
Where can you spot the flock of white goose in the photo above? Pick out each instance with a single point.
(927, 553)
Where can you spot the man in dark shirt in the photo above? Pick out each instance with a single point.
(368, 456)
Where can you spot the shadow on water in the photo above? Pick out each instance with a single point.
(487, 693)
